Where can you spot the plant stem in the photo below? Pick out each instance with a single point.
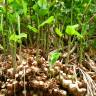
(19, 34)
(6, 27)
(38, 37)
(30, 12)
(3, 34)
(69, 40)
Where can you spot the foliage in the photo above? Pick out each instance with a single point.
(53, 57)
(17, 38)
(58, 32)
(71, 30)
(42, 19)
(48, 25)
(41, 7)
(48, 21)
(32, 28)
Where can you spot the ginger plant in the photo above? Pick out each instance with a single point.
(52, 58)
(14, 39)
(71, 31)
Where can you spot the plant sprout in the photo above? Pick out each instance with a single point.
(53, 57)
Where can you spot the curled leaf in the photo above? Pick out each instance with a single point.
(48, 21)
(33, 29)
(53, 57)
(71, 30)
(58, 32)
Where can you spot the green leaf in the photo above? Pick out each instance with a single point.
(43, 12)
(75, 26)
(24, 4)
(53, 57)
(17, 38)
(36, 8)
(58, 32)
(19, 6)
(33, 29)
(13, 37)
(15, 5)
(10, 1)
(71, 30)
(42, 4)
(40, 10)
(85, 27)
(48, 21)
(22, 35)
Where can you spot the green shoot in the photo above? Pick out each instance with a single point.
(53, 57)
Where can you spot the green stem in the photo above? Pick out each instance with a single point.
(69, 40)
(38, 37)
(86, 10)
(3, 34)
(19, 34)
(7, 34)
(30, 12)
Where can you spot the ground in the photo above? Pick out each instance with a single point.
(35, 77)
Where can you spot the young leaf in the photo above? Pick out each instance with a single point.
(48, 21)
(36, 8)
(13, 37)
(17, 38)
(22, 35)
(42, 4)
(16, 6)
(75, 26)
(40, 11)
(24, 4)
(9, 1)
(58, 32)
(43, 12)
(71, 30)
(33, 29)
(53, 57)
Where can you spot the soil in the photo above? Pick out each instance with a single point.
(35, 77)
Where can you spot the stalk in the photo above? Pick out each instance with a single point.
(14, 62)
(38, 37)
(69, 40)
(30, 12)
(81, 41)
(13, 53)
(2, 38)
(47, 40)
(19, 33)
(86, 9)
(3, 34)
(6, 27)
